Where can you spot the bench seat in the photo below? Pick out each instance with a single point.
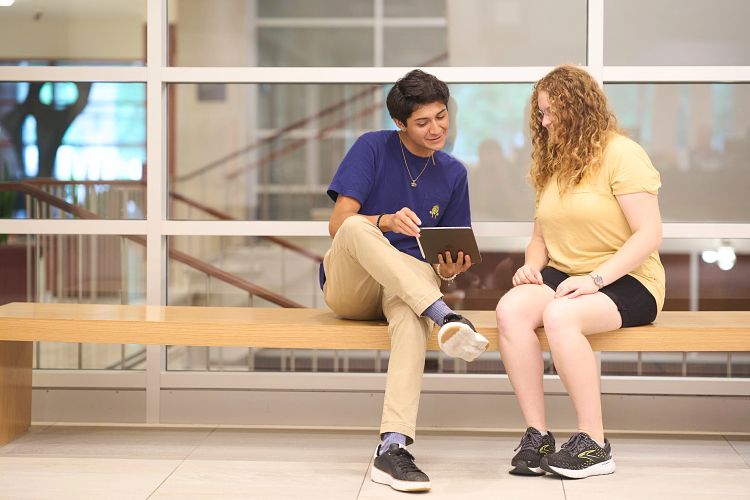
(23, 323)
(321, 329)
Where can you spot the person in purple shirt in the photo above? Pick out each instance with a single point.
(388, 186)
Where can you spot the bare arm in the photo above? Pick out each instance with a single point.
(536, 259)
(344, 208)
(642, 213)
(405, 221)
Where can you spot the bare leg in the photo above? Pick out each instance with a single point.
(566, 323)
(519, 312)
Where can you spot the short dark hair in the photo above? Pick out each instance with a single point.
(415, 89)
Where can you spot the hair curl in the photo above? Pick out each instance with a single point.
(582, 122)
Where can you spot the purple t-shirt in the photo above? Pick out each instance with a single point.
(374, 174)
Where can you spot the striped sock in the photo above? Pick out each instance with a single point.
(388, 439)
(437, 311)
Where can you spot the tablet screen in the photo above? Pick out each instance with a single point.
(438, 240)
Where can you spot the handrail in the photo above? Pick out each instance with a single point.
(190, 261)
(128, 362)
(299, 143)
(61, 182)
(294, 125)
(223, 216)
(180, 197)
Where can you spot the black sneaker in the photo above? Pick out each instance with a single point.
(580, 457)
(396, 468)
(533, 447)
(458, 338)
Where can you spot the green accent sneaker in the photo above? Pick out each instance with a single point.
(580, 457)
(533, 446)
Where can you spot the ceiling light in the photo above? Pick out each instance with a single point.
(6, 3)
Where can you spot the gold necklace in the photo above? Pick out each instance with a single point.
(408, 171)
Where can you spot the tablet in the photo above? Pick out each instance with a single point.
(437, 240)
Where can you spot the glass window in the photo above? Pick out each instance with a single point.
(84, 143)
(676, 33)
(315, 9)
(698, 137)
(75, 33)
(242, 272)
(414, 8)
(399, 48)
(80, 269)
(278, 158)
(335, 33)
(503, 33)
(315, 47)
(280, 171)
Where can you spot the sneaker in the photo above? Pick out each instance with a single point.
(396, 468)
(533, 447)
(580, 457)
(458, 338)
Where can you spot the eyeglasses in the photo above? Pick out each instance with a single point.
(541, 114)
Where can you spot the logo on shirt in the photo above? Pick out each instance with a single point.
(435, 211)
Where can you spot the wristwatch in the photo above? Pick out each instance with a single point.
(598, 280)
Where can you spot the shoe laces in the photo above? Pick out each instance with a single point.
(577, 442)
(404, 461)
(530, 441)
(450, 317)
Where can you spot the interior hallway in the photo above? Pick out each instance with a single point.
(59, 461)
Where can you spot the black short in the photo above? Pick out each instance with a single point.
(636, 304)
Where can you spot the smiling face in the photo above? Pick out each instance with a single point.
(426, 130)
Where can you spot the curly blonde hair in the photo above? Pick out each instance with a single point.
(582, 123)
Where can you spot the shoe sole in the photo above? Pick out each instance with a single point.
(455, 335)
(378, 476)
(600, 469)
(522, 469)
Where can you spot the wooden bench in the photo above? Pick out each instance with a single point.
(23, 323)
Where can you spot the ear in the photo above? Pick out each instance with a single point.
(401, 126)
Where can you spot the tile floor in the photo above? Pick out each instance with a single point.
(95, 462)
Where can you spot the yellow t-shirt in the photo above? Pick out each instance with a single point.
(586, 226)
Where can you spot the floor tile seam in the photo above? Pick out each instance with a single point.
(181, 462)
(364, 477)
(742, 457)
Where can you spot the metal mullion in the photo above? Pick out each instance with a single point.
(378, 34)
(677, 74)
(595, 38)
(72, 226)
(314, 22)
(72, 74)
(449, 382)
(449, 74)
(156, 242)
(351, 75)
(671, 230)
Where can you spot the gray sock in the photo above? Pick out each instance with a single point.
(388, 439)
(437, 311)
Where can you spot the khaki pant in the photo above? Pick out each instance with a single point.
(368, 278)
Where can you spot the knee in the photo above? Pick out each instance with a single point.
(510, 315)
(353, 224)
(557, 318)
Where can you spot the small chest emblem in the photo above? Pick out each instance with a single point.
(435, 212)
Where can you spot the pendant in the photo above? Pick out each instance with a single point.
(413, 184)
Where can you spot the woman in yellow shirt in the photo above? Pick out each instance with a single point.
(591, 265)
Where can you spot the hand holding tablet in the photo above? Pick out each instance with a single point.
(437, 240)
